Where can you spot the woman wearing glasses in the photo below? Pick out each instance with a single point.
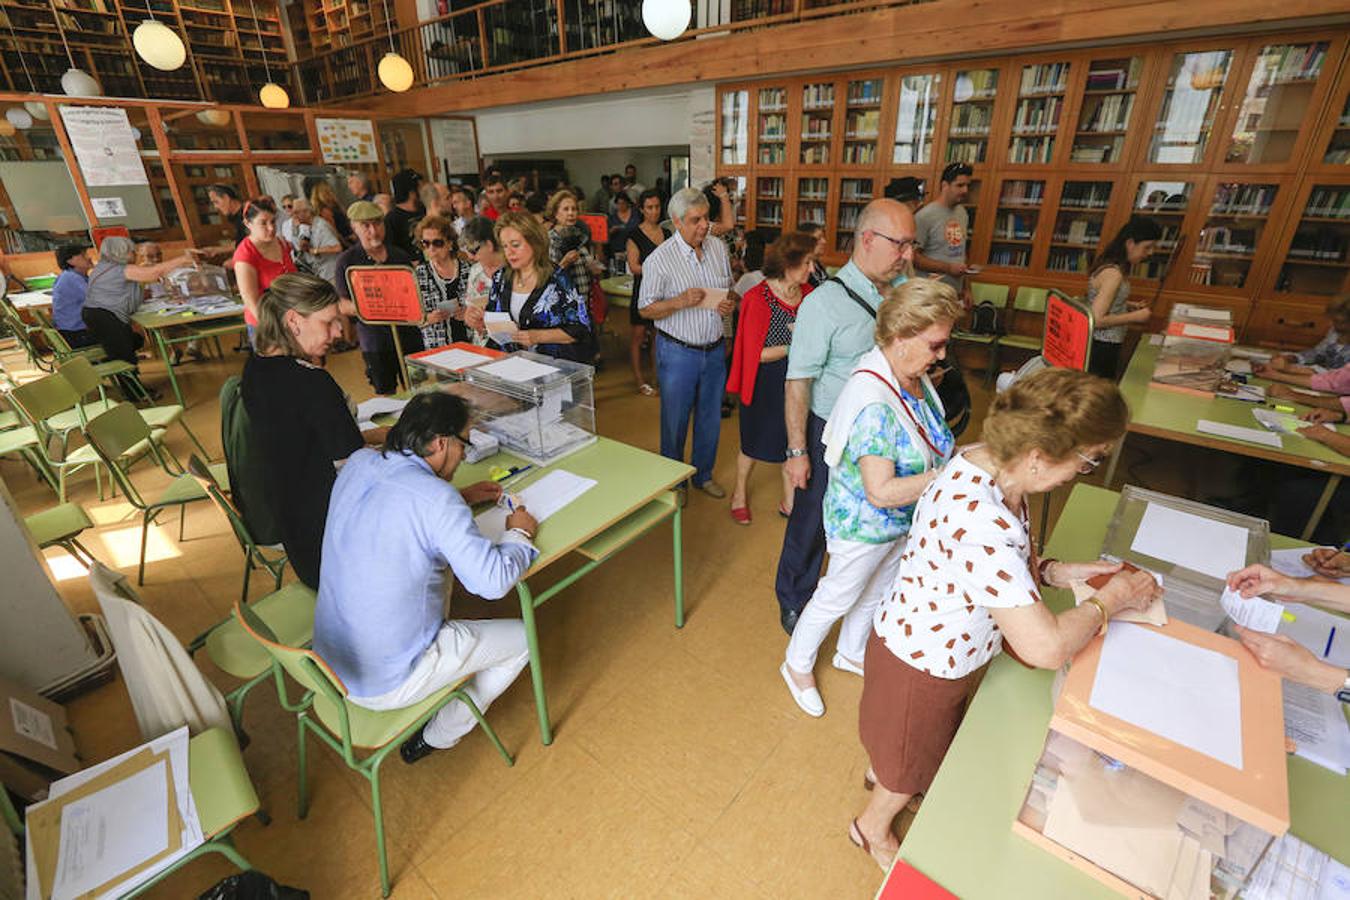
(969, 580)
(442, 282)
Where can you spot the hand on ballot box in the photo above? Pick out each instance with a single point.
(1130, 590)
(482, 492)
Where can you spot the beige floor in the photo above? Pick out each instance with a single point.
(680, 768)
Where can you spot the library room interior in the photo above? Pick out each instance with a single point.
(559, 563)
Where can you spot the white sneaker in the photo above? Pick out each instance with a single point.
(807, 698)
(844, 665)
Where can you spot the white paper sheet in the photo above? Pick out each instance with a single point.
(1283, 423)
(1200, 312)
(1290, 562)
(712, 298)
(1314, 720)
(454, 359)
(1294, 870)
(112, 831)
(517, 368)
(1326, 634)
(542, 499)
(378, 406)
(499, 326)
(31, 723)
(1256, 613)
(1191, 541)
(1240, 433)
(1187, 694)
(1205, 332)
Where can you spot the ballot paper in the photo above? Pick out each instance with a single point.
(712, 298)
(1290, 562)
(1187, 694)
(1294, 870)
(453, 359)
(1193, 542)
(542, 499)
(378, 406)
(1314, 721)
(1255, 613)
(1277, 421)
(1240, 433)
(517, 369)
(112, 831)
(499, 326)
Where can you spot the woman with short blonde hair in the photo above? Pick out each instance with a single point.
(569, 242)
(970, 580)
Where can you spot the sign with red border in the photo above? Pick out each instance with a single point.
(385, 295)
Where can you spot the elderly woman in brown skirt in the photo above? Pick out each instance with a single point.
(969, 580)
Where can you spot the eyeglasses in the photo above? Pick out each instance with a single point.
(433, 242)
(901, 244)
(1089, 464)
(463, 440)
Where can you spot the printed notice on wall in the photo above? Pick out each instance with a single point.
(109, 207)
(347, 140)
(104, 145)
(453, 141)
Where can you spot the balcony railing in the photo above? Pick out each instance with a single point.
(504, 35)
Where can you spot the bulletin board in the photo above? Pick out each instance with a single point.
(347, 140)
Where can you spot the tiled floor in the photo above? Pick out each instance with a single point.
(681, 767)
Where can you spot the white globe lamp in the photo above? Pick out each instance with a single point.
(217, 118)
(159, 45)
(79, 83)
(19, 117)
(395, 72)
(36, 109)
(666, 19)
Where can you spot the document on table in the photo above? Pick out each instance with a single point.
(1325, 634)
(1290, 562)
(712, 298)
(1256, 613)
(499, 326)
(378, 406)
(112, 831)
(518, 369)
(1277, 421)
(1240, 433)
(542, 499)
(1193, 542)
(1187, 694)
(1315, 722)
(454, 359)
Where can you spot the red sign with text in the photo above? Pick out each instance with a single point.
(1068, 333)
(599, 226)
(385, 295)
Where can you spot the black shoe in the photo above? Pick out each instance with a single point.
(788, 618)
(415, 747)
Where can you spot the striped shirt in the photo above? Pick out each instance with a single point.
(674, 267)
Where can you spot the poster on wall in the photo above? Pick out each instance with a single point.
(104, 145)
(347, 140)
(701, 158)
(453, 142)
(109, 207)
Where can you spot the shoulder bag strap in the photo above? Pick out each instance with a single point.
(853, 295)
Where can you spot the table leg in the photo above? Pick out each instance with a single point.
(1115, 459)
(1333, 482)
(677, 541)
(536, 663)
(168, 364)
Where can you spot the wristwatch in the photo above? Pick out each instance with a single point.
(794, 452)
(1343, 694)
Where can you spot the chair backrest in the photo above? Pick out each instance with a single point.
(1031, 299)
(79, 371)
(57, 341)
(246, 465)
(47, 396)
(202, 474)
(994, 294)
(112, 434)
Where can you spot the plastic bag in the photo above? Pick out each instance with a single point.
(252, 885)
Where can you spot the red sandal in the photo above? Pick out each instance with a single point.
(741, 514)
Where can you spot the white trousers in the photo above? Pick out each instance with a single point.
(857, 578)
(492, 651)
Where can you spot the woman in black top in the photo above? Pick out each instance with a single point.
(644, 237)
(298, 415)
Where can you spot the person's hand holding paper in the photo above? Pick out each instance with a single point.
(499, 326)
(1260, 579)
(713, 299)
(1290, 660)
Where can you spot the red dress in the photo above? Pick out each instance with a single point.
(268, 270)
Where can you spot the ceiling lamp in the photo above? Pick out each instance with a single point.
(395, 72)
(18, 117)
(218, 118)
(271, 94)
(37, 109)
(159, 45)
(79, 83)
(6, 128)
(666, 19)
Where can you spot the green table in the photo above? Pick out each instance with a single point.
(191, 326)
(635, 493)
(1172, 416)
(962, 837)
(618, 289)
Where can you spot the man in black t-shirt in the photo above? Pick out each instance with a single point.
(225, 200)
(377, 343)
(407, 210)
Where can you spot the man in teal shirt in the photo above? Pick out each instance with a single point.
(835, 326)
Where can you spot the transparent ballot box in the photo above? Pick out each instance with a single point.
(536, 406)
(428, 369)
(1163, 773)
(197, 283)
(1196, 347)
(1191, 545)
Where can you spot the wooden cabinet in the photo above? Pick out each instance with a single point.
(1038, 112)
(1187, 106)
(1312, 262)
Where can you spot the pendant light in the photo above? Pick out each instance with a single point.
(394, 71)
(76, 82)
(271, 94)
(666, 19)
(36, 108)
(19, 117)
(217, 118)
(158, 44)
(6, 128)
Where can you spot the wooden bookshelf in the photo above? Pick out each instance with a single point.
(1226, 143)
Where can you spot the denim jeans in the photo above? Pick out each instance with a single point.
(692, 384)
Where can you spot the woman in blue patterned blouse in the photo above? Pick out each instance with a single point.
(549, 314)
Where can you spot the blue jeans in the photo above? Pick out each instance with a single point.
(692, 383)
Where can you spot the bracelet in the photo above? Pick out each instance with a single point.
(523, 533)
(1101, 608)
(1043, 569)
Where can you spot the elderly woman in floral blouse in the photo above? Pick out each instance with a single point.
(442, 281)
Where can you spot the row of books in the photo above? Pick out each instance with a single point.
(1083, 232)
(772, 154)
(813, 188)
(858, 189)
(769, 188)
(1062, 260)
(1322, 244)
(1038, 114)
(968, 151)
(1243, 199)
(772, 98)
(1086, 194)
(1009, 257)
(977, 84)
(865, 93)
(1108, 113)
(1031, 149)
(1022, 193)
(773, 127)
(1228, 241)
(848, 216)
(1014, 226)
(1044, 78)
(864, 122)
(908, 154)
(1292, 62)
(860, 154)
(1098, 153)
(969, 119)
(816, 154)
(769, 213)
(815, 128)
(814, 214)
(1329, 203)
(817, 95)
(1119, 75)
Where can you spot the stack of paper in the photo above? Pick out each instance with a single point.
(1314, 721)
(1291, 563)
(1240, 433)
(542, 499)
(454, 359)
(518, 369)
(1293, 869)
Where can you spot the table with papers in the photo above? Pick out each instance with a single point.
(963, 837)
(171, 324)
(1219, 423)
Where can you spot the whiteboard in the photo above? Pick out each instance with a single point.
(43, 196)
(453, 141)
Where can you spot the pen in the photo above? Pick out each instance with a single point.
(1330, 637)
(516, 473)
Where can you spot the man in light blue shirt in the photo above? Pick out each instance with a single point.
(836, 325)
(397, 535)
(68, 295)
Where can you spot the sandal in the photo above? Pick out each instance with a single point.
(646, 390)
(859, 839)
(741, 514)
(785, 513)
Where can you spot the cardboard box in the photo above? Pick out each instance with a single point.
(35, 739)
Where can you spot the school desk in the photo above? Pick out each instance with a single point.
(185, 326)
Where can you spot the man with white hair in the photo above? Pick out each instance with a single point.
(314, 240)
(835, 327)
(686, 290)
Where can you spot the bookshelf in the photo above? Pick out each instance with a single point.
(1167, 202)
(854, 194)
(1042, 95)
(862, 122)
(816, 137)
(735, 127)
(1106, 111)
(813, 200)
(1337, 152)
(1191, 101)
(916, 112)
(1282, 82)
(971, 117)
(1226, 246)
(771, 127)
(1315, 257)
(1079, 225)
(769, 198)
(1016, 220)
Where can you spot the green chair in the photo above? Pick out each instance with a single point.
(117, 431)
(84, 378)
(122, 373)
(272, 558)
(25, 443)
(61, 526)
(996, 295)
(1029, 300)
(345, 727)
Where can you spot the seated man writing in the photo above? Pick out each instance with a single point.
(397, 535)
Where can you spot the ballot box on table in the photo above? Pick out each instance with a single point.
(428, 369)
(536, 406)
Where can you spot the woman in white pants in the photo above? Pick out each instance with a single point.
(884, 443)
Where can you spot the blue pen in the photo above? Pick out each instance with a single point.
(1330, 637)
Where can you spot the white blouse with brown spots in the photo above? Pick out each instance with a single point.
(966, 552)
